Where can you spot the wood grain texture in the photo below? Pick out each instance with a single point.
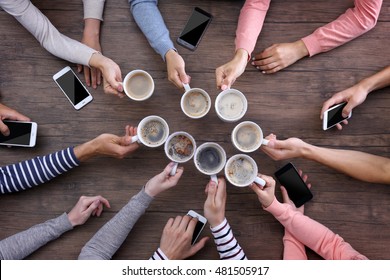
(287, 103)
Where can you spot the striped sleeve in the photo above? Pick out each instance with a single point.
(158, 256)
(30, 173)
(227, 245)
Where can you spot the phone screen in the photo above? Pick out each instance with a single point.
(195, 27)
(296, 188)
(72, 87)
(198, 229)
(20, 133)
(335, 116)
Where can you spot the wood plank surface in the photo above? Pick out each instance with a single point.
(287, 103)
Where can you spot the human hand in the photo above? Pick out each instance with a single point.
(176, 69)
(354, 96)
(227, 74)
(86, 207)
(163, 181)
(286, 198)
(284, 149)
(214, 206)
(7, 113)
(91, 38)
(109, 145)
(112, 76)
(177, 237)
(279, 56)
(266, 194)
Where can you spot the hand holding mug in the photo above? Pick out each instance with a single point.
(265, 193)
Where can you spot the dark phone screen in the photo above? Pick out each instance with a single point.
(335, 116)
(20, 133)
(195, 27)
(72, 87)
(198, 228)
(296, 188)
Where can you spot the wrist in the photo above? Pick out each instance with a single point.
(242, 56)
(85, 151)
(308, 151)
(171, 53)
(92, 28)
(97, 60)
(72, 220)
(150, 190)
(217, 222)
(366, 85)
(301, 49)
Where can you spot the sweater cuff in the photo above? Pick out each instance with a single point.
(64, 224)
(73, 156)
(312, 44)
(164, 48)
(144, 198)
(276, 208)
(159, 256)
(219, 227)
(93, 9)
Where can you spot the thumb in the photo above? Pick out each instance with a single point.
(211, 191)
(4, 129)
(348, 109)
(228, 81)
(198, 245)
(183, 76)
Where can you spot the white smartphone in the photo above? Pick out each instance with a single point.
(333, 116)
(199, 225)
(23, 134)
(73, 88)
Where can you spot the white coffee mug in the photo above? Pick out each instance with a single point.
(195, 102)
(180, 147)
(241, 171)
(138, 85)
(210, 159)
(247, 137)
(231, 105)
(152, 131)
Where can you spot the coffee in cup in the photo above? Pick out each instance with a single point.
(248, 137)
(210, 159)
(231, 105)
(138, 85)
(152, 131)
(241, 171)
(180, 147)
(195, 102)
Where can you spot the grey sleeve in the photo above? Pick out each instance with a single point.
(110, 237)
(148, 17)
(93, 9)
(22, 244)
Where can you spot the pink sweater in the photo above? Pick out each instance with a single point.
(302, 231)
(353, 23)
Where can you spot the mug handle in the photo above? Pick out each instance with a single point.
(174, 168)
(259, 181)
(265, 142)
(186, 87)
(134, 138)
(214, 178)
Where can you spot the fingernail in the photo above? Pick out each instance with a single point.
(263, 72)
(253, 58)
(212, 184)
(252, 63)
(223, 87)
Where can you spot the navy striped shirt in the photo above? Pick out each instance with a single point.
(30, 173)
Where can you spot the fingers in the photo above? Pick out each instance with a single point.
(87, 76)
(348, 109)
(184, 78)
(168, 169)
(285, 196)
(219, 76)
(211, 191)
(94, 77)
(79, 68)
(198, 245)
(4, 129)
(336, 99)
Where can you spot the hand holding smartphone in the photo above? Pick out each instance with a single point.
(22, 134)
(333, 116)
(297, 189)
(72, 87)
(194, 29)
(199, 225)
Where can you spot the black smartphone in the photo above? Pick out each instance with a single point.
(72, 87)
(199, 225)
(334, 115)
(22, 134)
(297, 189)
(194, 29)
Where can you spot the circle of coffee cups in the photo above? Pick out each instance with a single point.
(241, 171)
(180, 147)
(231, 105)
(195, 102)
(138, 85)
(152, 131)
(210, 159)
(247, 137)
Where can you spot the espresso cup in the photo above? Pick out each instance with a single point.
(195, 102)
(247, 137)
(210, 159)
(138, 85)
(231, 105)
(152, 131)
(180, 147)
(241, 171)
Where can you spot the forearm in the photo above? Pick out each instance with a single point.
(293, 248)
(359, 165)
(376, 81)
(20, 245)
(110, 237)
(149, 20)
(353, 23)
(250, 23)
(93, 9)
(36, 171)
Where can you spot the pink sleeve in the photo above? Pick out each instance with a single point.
(314, 235)
(353, 23)
(250, 23)
(293, 249)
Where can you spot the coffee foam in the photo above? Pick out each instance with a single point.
(195, 103)
(247, 137)
(153, 132)
(180, 148)
(231, 105)
(139, 85)
(240, 171)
